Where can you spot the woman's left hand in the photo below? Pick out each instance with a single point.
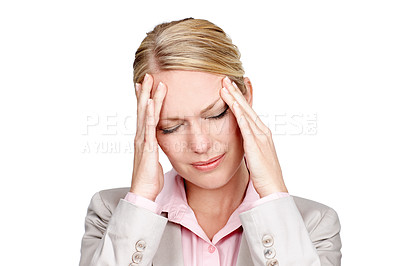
(262, 161)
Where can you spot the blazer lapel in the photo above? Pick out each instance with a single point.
(244, 257)
(170, 249)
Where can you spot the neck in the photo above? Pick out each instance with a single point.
(222, 201)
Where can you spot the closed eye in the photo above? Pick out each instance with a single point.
(168, 131)
(221, 115)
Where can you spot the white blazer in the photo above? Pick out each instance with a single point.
(287, 231)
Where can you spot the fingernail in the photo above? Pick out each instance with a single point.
(137, 86)
(234, 85)
(146, 77)
(225, 90)
(160, 85)
(227, 79)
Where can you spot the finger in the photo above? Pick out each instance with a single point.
(250, 131)
(158, 98)
(239, 112)
(138, 87)
(246, 124)
(227, 97)
(233, 104)
(150, 133)
(142, 105)
(240, 116)
(238, 96)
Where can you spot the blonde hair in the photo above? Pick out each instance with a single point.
(188, 44)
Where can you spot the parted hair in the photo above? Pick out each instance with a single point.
(188, 44)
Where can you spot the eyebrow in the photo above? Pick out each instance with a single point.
(202, 112)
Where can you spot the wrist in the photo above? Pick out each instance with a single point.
(269, 190)
(144, 194)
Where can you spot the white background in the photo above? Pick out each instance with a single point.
(64, 63)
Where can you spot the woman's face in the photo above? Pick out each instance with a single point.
(196, 125)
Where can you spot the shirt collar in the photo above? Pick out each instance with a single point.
(172, 200)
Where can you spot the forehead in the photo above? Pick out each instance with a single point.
(188, 92)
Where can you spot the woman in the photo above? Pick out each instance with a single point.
(224, 202)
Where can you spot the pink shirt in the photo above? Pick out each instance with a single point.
(197, 249)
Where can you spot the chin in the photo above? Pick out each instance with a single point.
(209, 182)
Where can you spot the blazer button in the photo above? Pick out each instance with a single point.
(267, 241)
(269, 253)
(137, 257)
(140, 245)
(273, 262)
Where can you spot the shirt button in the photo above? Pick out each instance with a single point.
(211, 249)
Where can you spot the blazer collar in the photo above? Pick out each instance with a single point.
(170, 249)
(172, 198)
(173, 201)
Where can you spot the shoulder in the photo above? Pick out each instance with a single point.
(321, 220)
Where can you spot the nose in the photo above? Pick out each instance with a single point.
(199, 137)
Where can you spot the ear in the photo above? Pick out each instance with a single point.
(249, 93)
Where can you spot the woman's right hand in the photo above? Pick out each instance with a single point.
(148, 174)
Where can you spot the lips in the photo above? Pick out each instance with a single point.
(209, 161)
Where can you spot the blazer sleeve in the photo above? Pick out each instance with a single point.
(278, 234)
(128, 234)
